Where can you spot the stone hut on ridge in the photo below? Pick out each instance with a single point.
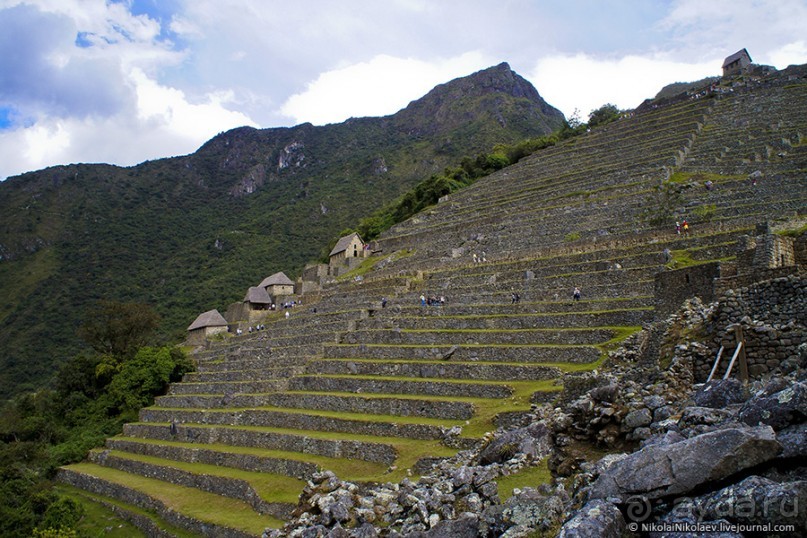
(208, 324)
(736, 63)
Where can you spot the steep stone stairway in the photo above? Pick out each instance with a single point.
(376, 394)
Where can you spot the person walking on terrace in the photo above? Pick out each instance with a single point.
(685, 225)
(576, 294)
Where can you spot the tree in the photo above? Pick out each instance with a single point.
(605, 114)
(118, 329)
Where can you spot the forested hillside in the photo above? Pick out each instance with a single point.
(190, 233)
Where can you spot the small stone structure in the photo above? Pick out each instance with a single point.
(278, 284)
(348, 252)
(736, 63)
(206, 325)
(313, 277)
(672, 288)
(762, 257)
(773, 317)
(257, 298)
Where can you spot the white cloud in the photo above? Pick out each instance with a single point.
(378, 87)
(791, 54)
(160, 123)
(585, 83)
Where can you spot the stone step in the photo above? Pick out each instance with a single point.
(449, 337)
(324, 402)
(242, 375)
(304, 442)
(214, 401)
(585, 318)
(227, 387)
(261, 461)
(320, 421)
(428, 387)
(224, 481)
(180, 506)
(376, 404)
(486, 353)
(430, 370)
(503, 306)
(267, 364)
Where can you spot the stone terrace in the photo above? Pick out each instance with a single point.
(377, 393)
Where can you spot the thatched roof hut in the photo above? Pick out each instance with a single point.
(207, 324)
(278, 284)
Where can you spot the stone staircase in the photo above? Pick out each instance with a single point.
(377, 394)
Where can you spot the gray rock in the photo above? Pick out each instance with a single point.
(757, 501)
(637, 418)
(606, 393)
(793, 440)
(597, 519)
(660, 470)
(534, 441)
(531, 509)
(720, 393)
(465, 526)
(696, 416)
(779, 410)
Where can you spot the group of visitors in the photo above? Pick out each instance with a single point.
(480, 258)
(251, 329)
(432, 300)
(682, 227)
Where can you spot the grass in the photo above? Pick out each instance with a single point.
(527, 477)
(369, 264)
(100, 520)
(273, 488)
(349, 467)
(199, 505)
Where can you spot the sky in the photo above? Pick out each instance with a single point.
(125, 81)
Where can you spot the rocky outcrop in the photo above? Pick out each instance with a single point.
(663, 470)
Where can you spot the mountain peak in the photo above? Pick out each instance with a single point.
(485, 92)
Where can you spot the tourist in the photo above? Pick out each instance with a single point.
(383, 302)
(422, 300)
(685, 225)
(576, 294)
(677, 228)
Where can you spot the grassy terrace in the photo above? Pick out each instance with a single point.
(202, 506)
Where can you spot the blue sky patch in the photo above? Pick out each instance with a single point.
(7, 114)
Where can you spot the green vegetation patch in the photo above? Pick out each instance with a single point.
(526, 477)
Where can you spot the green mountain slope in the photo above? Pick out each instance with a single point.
(191, 233)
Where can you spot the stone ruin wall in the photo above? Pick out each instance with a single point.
(773, 316)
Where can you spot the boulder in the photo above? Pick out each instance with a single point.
(529, 508)
(597, 519)
(658, 471)
(721, 393)
(778, 410)
(758, 501)
(793, 440)
(465, 526)
(637, 418)
(534, 441)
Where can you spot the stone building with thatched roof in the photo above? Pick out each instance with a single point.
(277, 284)
(257, 298)
(206, 325)
(349, 246)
